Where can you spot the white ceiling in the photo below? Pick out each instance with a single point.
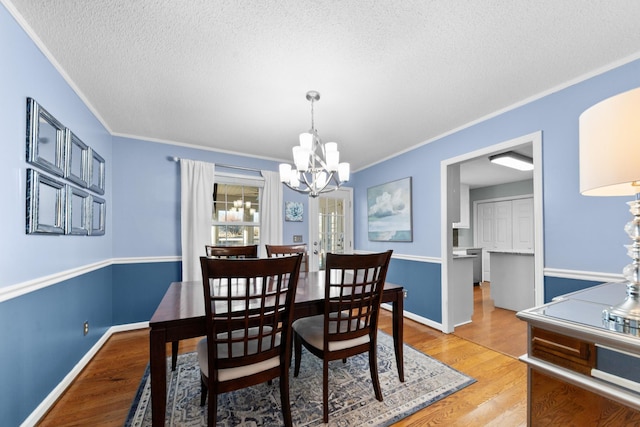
(232, 75)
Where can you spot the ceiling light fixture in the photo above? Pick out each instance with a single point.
(316, 164)
(513, 160)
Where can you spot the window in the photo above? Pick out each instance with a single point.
(236, 211)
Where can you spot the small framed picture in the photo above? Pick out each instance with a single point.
(96, 172)
(76, 159)
(293, 211)
(78, 211)
(46, 200)
(98, 216)
(45, 139)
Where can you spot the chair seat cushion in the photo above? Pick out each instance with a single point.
(243, 371)
(311, 329)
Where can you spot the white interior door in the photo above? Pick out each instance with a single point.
(523, 224)
(330, 226)
(503, 227)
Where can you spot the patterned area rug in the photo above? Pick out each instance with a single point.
(351, 398)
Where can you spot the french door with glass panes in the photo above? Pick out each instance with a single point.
(330, 226)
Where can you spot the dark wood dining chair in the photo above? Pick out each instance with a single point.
(284, 250)
(349, 325)
(250, 251)
(249, 310)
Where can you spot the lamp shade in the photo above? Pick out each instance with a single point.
(610, 146)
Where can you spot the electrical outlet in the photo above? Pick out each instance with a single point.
(297, 238)
(405, 292)
(86, 327)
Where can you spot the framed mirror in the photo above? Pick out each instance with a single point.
(76, 160)
(45, 139)
(78, 210)
(96, 172)
(98, 216)
(45, 204)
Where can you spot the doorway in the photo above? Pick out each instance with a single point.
(450, 189)
(330, 225)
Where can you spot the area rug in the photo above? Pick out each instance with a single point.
(351, 398)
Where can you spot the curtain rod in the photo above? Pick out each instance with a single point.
(177, 159)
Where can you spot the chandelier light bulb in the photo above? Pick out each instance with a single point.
(285, 172)
(306, 141)
(301, 158)
(343, 172)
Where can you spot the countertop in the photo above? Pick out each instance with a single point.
(511, 251)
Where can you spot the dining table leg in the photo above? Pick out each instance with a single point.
(398, 332)
(158, 376)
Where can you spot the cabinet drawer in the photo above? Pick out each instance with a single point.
(561, 350)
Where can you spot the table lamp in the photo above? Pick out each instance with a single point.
(610, 166)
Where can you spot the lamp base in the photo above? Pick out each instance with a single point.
(625, 317)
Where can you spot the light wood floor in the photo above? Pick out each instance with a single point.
(103, 392)
(495, 328)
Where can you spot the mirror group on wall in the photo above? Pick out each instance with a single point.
(63, 187)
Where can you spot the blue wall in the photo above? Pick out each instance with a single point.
(42, 338)
(120, 277)
(422, 282)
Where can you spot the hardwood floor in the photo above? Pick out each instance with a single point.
(495, 328)
(103, 392)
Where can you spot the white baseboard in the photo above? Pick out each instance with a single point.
(423, 320)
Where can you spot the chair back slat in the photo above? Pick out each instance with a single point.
(353, 294)
(248, 307)
(285, 250)
(250, 251)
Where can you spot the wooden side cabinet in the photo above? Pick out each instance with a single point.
(580, 371)
(561, 350)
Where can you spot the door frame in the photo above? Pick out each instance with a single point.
(347, 192)
(446, 216)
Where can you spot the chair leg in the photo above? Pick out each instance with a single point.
(297, 345)
(213, 410)
(174, 354)
(373, 367)
(203, 392)
(285, 399)
(325, 391)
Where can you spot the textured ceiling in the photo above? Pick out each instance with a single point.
(232, 75)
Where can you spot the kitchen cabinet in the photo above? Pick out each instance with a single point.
(477, 261)
(477, 264)
(461, 289)
(512, 284)
(504, 225)
(464, 208)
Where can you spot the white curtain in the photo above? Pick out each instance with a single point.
(271, 210)
(196, 208)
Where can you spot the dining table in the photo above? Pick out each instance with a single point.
(180, 315)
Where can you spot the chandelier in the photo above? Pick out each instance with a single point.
(317, 165)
